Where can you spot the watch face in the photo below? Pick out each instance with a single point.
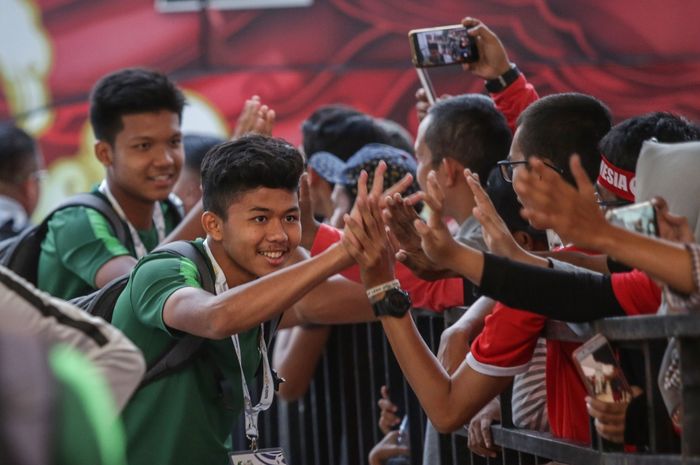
(396, 302)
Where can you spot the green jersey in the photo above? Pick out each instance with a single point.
(79, 241)
(88, 430)
(185, 417)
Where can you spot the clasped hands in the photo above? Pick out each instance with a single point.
(383, 227)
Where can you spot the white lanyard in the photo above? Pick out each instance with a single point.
(158, 220)
(251, 411)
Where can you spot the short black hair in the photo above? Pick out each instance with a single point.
(399, 136)
(196, 146)
(559, 125)
(469, 129)
(621, 146)
(18, 154)
(127, 92)
(340, 130)
(247, 163)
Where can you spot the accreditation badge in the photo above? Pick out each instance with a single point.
(272, 456)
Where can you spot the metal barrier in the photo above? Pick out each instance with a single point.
(647, 336)
(336, 421)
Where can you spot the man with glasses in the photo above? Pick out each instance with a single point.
(20, 173)
(615, 181)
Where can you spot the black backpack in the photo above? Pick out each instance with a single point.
(101, 303)
(21, 252)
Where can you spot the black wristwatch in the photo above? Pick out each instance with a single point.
(504, 80)
(395, 302)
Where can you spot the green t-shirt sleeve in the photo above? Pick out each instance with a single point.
(153, 281)
(88, 429)
(84, 241)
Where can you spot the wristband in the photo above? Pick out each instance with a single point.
(371, 292)
(504, 80)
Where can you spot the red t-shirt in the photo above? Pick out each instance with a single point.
(432, 295)
(506, 344)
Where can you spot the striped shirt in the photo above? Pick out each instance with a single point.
(529, 402)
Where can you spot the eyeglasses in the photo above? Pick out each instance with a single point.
(605, 204)
(507, 167)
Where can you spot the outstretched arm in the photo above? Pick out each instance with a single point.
(449, 401)
(516, 284)
(197, 312)
(551, 203)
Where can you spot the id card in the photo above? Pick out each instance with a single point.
(274, 456)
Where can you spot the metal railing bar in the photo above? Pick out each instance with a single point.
(544, 445)
(328, 407)
(628, 328)
(649, 382)
(689, 354)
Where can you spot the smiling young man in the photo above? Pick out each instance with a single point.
(252, 223)
(135, 115)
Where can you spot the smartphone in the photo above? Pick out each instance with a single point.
(601, 372)
(639, 217)
(441, 46)
(402, 437)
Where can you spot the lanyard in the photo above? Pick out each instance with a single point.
(251, 411)
(158, 220)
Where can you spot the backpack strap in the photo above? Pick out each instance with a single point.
(21, 253)
(188, 250)
(182, 351)
(98, 203)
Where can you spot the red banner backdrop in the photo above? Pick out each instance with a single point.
(636, 55)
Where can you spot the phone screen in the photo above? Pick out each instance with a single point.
(640, 218)
(601, 372)
(441, 46)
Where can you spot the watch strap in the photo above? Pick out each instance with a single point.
(504, 80)
(395, 303)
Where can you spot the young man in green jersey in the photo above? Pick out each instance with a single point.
(136, 116)
(252, 223)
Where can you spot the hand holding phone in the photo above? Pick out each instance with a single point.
(601, 372)
(638, 217)
(493, 59)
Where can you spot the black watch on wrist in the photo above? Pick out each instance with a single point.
(504, 80)
(395, 302)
